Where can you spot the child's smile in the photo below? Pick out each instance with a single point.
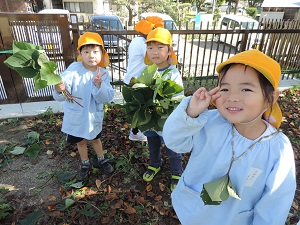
(241, 99)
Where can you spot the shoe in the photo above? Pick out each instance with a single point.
(84, 172)
(174, 181)
(105, 166)
(150, 173)
(137, 137)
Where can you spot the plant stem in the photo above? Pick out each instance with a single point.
(71, 98)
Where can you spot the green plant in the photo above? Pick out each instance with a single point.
(13, 121)
(31, 61)
(150, 99)
(4, 209)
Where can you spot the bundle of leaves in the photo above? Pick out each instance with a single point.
(151, 98)
(31, 61)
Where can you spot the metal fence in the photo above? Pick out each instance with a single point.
(198, 51)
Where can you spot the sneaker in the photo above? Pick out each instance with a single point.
(150, 173)
(105, 166)
(84, 172)
(174, 181)
(137, 137)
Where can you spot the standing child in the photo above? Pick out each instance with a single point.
(91, 82)
(160, 52)
(136, 53)
(237, 142)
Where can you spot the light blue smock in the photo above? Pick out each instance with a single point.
(264, 178)
(84, 122)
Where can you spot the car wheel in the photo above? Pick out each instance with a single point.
(216, 38)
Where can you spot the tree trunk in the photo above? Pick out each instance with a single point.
(130, 17)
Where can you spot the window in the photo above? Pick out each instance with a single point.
(79, 7)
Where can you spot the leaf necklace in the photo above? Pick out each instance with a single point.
(217, 191)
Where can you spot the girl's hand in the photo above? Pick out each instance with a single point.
(98, 78)
(60, 87)
(200, 100)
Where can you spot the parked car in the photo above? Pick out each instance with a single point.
(232, 22)
(115, 45)
(169, 24)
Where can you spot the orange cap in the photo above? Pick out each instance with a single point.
(156, 21)
(93, 38)
(144, 27)
(163, 36)
(267, 67)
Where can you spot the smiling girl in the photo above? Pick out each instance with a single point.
(241, 169)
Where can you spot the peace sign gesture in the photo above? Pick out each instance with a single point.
(98, 78)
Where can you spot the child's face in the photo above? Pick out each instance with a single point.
(241, 99)
(91, 56)
(158, 53)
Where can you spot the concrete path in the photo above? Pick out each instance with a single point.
(35, 108)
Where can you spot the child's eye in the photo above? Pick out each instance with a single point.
(223, 89)
(246, 89)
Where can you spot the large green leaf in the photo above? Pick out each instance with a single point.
(31, 61)
(33, 151)
(148, 75)
(149, 99)
(20, 59)
(32, 218)
(17, 46)
(47, 74)
(217, 191)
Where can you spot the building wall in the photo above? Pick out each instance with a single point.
(16, 6)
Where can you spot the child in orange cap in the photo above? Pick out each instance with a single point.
(136, 52)
(91, 82)
(160, 52)
(241, 168)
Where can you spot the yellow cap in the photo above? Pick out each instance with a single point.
(93, 38)
(163, 36)
(267, 67)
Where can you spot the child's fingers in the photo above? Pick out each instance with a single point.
(214, 91)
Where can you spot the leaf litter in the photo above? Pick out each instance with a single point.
(37, 193)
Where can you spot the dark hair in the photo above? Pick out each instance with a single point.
(266, 87)
(91, 45)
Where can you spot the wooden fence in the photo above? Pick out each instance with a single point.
(199, 51)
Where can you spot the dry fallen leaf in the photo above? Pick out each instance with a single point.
(98, 183)
(130, 210)
(73, 154)
(149, 187)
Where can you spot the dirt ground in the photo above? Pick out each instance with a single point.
(32, 184)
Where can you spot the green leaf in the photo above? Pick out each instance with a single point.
(87, 210)
(32, 218)
(31, 61)
(77, 185)
(207, 200)
(18, 150)
(17, 46)
(217, 189)
(33, 151)
(148, 75)
(149, 99)
(65, 203)
(64, 177)
(33, 135)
